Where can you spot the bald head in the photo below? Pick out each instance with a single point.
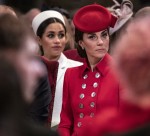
(143, 12)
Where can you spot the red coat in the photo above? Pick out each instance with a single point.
(86, 93)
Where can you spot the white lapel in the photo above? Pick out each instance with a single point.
(62, 66)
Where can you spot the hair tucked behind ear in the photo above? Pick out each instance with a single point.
(78, 37)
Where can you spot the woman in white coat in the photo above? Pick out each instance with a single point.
(49, 27)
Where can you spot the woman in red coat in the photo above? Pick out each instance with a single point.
(92, 87)
(132, 63)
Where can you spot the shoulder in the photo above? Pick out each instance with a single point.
(75, 68)
(74, 71)
(74, 63)
(68, 62)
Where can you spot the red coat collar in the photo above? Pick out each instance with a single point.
(103, 66)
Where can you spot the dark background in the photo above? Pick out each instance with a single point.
(71, 5)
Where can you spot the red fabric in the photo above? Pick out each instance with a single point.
(93, 18)
(73, 54)
(52, 67)
(107, 95)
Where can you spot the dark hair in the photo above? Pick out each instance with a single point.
(12, 32)
(62, 11)
(44, 25)
(78, 37)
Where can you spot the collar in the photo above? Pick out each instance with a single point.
(50, 64)
(103, 66)
(62, 61)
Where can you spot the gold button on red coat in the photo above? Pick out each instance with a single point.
(81, 105)
(92, 115)
(97, 75)
(93, 94)
(92, 104)
(95, 85)
(85, 76)
(83, 86)
(79, 124)
(81, 115)
(81, 96)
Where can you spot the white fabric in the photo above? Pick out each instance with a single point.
(64, 63)
(123, 12)
(120, 22)
(41, 17)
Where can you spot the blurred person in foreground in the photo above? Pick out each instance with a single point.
(15, 48)
(143, 12)
(13, 105)
(132, 62)
(90, 88)
(38, 110)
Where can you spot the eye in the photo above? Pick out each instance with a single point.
(61, 35)
(51, 35)
(104, 34)
(92, 36)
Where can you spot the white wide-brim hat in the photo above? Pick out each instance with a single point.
(41, 17)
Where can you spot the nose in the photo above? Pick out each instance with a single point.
(99, 41)
(57, 40)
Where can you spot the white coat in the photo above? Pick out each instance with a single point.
(64, 63)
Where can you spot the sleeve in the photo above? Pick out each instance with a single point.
(38, 111)
(66, 117)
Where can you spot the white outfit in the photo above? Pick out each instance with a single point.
(64, 63)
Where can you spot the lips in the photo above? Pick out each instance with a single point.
(100, 50)
(56, 47)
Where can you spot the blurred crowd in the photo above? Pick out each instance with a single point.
(80, 75)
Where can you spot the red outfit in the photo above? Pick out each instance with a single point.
(52, 67)
(86, 93)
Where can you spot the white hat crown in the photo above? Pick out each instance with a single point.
(41, 17)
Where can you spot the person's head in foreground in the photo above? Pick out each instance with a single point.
(132, 57)
(16, 45)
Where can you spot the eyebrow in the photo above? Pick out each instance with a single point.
(55, 32)
(104, 31)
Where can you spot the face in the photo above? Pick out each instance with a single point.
(95, 44)
(30, 69)
(53, 41)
